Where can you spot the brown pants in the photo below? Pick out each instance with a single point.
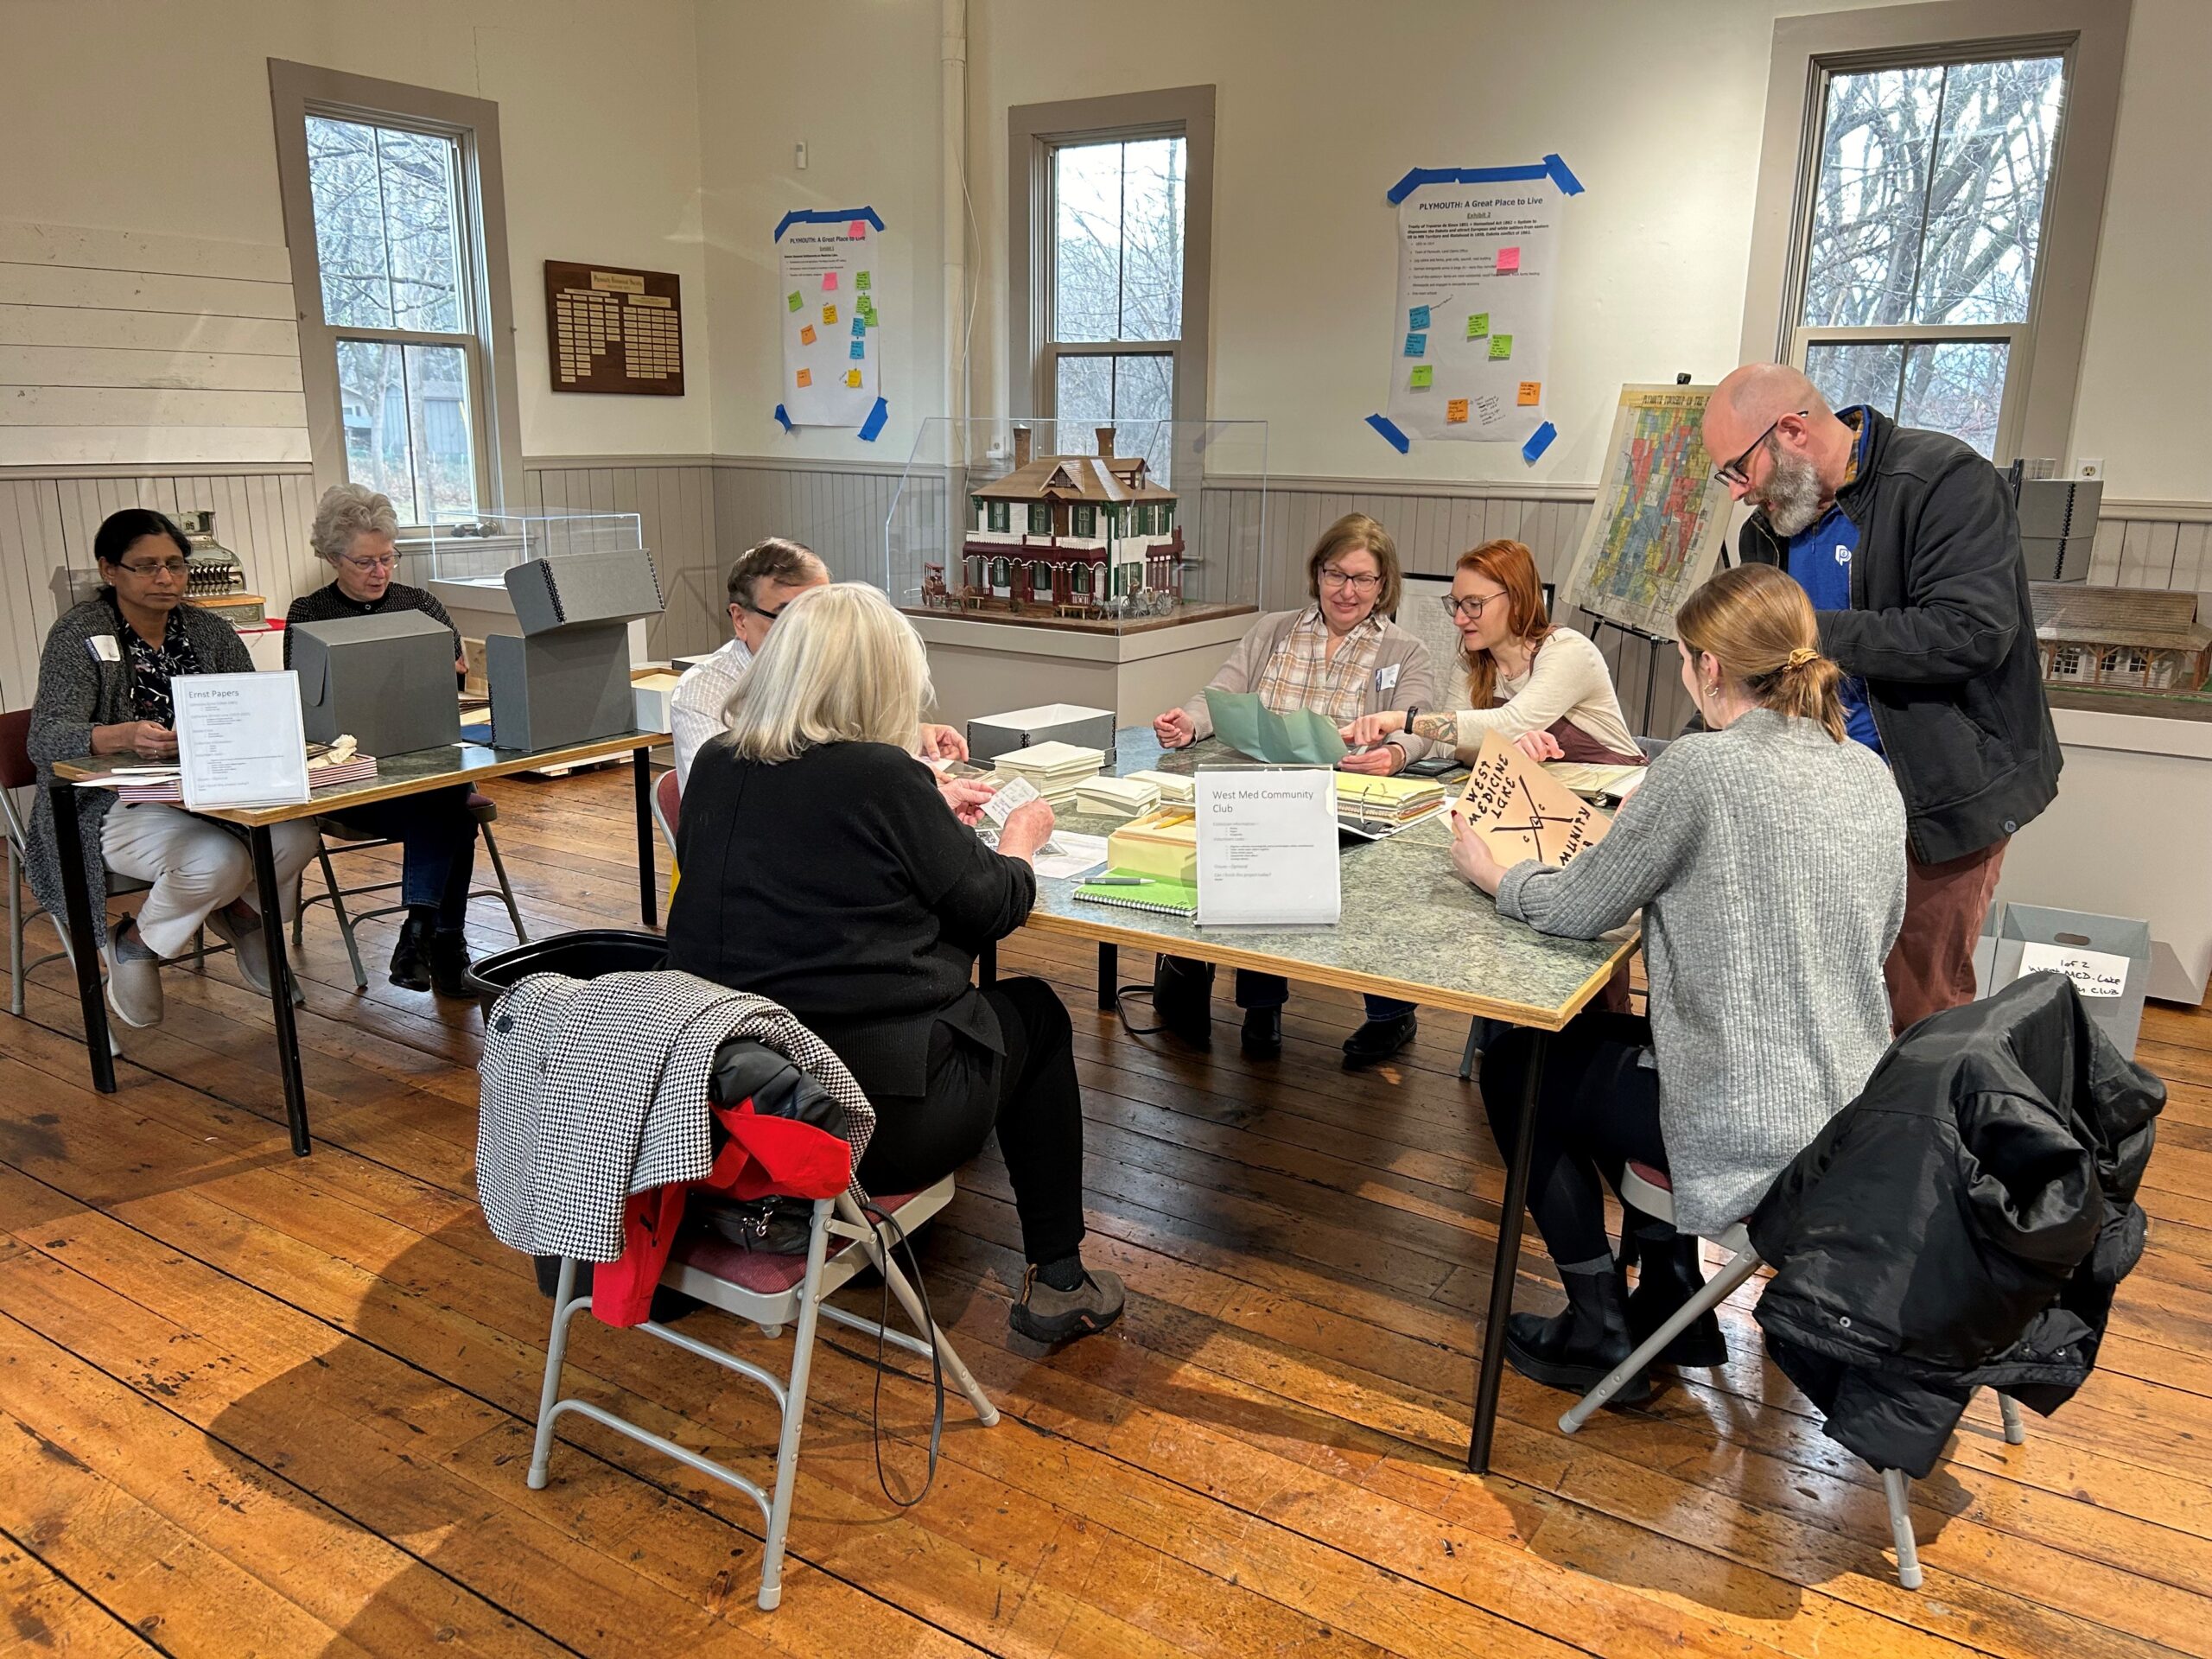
(1931, 965)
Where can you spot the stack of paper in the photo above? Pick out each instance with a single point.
(140, 785)
(1387, 800)
(1174, 787)
(1117, 798)
(1055, 768)
(1162, 844)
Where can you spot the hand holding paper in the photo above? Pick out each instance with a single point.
(1518, 811)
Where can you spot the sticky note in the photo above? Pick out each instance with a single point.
(1455, 412)
(1477, 325)
(828, 282)
(856, 230)
(1423, 376)
(859, 349)
(1417, 317)
(829, 314)
(1501, 347)
(806, 335)
(853, 377)
(860, 327)
(862, 282)
(794, 300)
(1532, 393)
(806, 377)
(1509, 260)
(1416, 345)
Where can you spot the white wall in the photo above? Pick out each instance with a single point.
(153, 116)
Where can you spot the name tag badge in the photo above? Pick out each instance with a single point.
(105, 648)
(1386, 677)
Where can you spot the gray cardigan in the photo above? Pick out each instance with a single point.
(1769, 862)
(77, 690)
(1414, 685)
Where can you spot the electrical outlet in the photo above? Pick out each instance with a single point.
(798, 156)
(2090, 466)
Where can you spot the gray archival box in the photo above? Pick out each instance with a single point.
(387, 680)
(566, 679)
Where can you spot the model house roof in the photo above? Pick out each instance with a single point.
(1107, 481)
(2067, 613)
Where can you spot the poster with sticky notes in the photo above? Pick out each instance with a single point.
(830, 374)
(1477, 274)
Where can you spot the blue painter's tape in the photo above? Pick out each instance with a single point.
(1389, 428)
(817, 216)
(874, 424)
(1569, 184)
(1539, 440)
(1550, 167)
(783, 417)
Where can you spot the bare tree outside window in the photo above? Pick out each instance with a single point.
(1928, 199)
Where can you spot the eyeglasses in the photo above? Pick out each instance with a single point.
(1332, 577)
(382, 562)
(1470, 607)
(1733, 474)
(160, 567)
(765, 616)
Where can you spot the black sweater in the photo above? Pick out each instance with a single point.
(839, 884)
(330, 604)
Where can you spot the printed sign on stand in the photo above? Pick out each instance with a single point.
(1267, 846)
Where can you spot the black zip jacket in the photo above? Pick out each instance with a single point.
(1961, 1224)
(1940, 629)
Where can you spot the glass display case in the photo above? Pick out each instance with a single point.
(1110, 529)
(479, 551)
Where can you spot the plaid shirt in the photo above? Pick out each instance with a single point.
(152, 667)
(1300, 674)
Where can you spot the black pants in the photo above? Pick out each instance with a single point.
(1597, 1111)
(1033, 1101)
(437, 837)
(1272, 990)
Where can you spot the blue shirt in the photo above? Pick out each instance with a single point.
(1819, 558)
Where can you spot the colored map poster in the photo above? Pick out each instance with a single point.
(1659, 520)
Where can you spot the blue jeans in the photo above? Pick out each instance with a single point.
(438, 839)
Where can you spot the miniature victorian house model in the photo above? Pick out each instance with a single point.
(1074, 537)
(2122, 640)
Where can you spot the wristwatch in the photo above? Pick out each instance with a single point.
(1410, 713)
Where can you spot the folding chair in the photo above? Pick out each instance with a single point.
(481, 807)
(771, 1291)
(668, 798)
(1648, 1190)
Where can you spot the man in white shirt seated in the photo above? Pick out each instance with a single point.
(767, 576)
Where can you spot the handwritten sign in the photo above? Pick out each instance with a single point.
(1501, 347)
(1522, 812)
(1416, 317)
(1416, 345)
(806, 336)
(1424, 375)
(1477, 325)
(1455, 411)
(1532, 393)
(2095, 973)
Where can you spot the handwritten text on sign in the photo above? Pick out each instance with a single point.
(1525, 812)
(2095, 973)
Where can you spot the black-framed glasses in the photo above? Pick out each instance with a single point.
(1365, 583)
(1468, 606)
(765, 616)
(159, 568)
(1733, 473)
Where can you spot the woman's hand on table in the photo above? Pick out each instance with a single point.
(147, 737)
(1175, 729)
(1370, 730)
(1028, 827)
(1472, 858)
(965, 796)
(1378, 762)
(942, 743)
(1539, 745)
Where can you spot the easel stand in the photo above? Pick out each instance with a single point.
(1651, 667)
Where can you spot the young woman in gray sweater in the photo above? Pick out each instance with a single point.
(1765, 855)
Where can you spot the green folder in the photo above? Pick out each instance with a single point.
(1300, 737)
(1162, 898)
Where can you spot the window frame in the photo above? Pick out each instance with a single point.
(298, 91)
(1034, 132)
(2044, 367)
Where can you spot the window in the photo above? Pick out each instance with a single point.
(1113, 202)
(1001, 517)
(1041, 519)
(1920, 246)
(391, 210)
(1086, 521)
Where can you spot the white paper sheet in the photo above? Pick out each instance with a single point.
(239, 740)
(1267, 846)
(2095, 973)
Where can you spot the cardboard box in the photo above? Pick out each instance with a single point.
(1164, 844)
(582, 588)
(387, 680)
(654, 689)
(992, 735)
(568, 686)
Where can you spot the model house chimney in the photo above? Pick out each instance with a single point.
(1021, 447)
(1105, 444)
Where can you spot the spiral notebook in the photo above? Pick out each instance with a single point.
(1161, 898)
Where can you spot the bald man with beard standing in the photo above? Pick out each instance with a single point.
(1907, 543)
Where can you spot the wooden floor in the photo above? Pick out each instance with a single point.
(249, 1404)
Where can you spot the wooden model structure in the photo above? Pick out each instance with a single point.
(1078, 536)
(2124, 639)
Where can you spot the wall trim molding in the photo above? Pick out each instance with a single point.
(165, 469)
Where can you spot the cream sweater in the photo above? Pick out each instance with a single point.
(1568, 678)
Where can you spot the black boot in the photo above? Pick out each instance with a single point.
(1576, 1350)
(1376, 1040)
(410, 956)
(1263, 1032)
(449, 964)
(1668, 1274)
(1182, 996)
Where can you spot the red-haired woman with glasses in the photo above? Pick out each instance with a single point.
(1544, 688)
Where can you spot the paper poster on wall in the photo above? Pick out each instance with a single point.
(827, 290)
(1478, 268)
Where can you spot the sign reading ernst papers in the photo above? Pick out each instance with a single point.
(239, 740)
(1267, 846)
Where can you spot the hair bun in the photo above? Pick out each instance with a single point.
(1802, 655)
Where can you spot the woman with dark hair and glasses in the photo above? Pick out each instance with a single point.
(103, 690)
(1546, 689)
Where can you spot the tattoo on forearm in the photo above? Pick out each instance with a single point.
(1436, 725)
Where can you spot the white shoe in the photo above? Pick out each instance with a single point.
(134, 980)
(240, 926)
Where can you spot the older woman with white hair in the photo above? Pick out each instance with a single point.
(821, 868)
(353, 533)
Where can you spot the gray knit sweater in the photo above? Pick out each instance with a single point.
(1769, 862)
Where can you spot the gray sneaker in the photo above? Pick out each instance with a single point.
(1047, 1315)
(238, 925)
(134, 977)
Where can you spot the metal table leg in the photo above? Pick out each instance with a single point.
(77, 900)
(280, 986)
(1109, 970)
(1507, 1263)
(648, 882)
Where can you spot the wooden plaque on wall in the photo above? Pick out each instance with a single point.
(609, 329)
